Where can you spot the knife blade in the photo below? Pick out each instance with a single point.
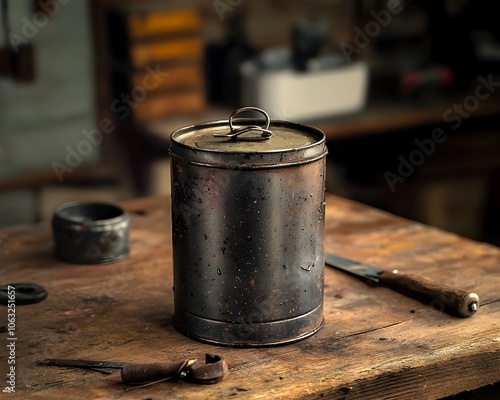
(82, 363)
(445, 298)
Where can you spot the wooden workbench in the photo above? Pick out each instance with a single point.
(375, 343)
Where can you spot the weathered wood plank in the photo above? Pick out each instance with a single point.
(375, 343)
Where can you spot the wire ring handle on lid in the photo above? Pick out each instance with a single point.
(235, 133)
(239, 110)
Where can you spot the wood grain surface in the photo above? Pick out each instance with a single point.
(375, 343)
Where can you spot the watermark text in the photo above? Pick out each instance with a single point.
(11, 340)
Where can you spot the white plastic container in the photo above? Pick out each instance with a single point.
(288, 94)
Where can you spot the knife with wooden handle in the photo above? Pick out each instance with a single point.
(452, 300)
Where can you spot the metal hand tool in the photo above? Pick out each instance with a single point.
(454, 301)
(212, 371)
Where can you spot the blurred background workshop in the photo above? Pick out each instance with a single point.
(405, 91)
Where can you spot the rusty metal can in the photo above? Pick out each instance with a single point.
(90, 232)
(248, 216)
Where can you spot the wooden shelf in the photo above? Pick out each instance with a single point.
(386, 117)
(376, 118)
(96, 174)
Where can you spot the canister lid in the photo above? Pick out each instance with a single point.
(248, 143)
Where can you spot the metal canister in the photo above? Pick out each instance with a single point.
(90, 232)
(248, 216)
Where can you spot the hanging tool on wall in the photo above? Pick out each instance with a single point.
(17, 58)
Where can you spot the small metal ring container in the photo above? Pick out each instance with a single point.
(248, 216)
(90, 233)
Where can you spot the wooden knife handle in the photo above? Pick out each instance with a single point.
(444, 298)
(142, 373)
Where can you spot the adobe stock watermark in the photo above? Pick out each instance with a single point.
(454, 115)
(381, 19)
(94, 137)
(11, 341)
(40, 19)
(223, 6)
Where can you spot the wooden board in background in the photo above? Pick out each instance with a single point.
(179, 77)
(144, 54)
(143, 24)
(160, 105)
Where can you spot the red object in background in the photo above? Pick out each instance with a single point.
(440, 76)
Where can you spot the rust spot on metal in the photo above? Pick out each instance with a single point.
(255, 213)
